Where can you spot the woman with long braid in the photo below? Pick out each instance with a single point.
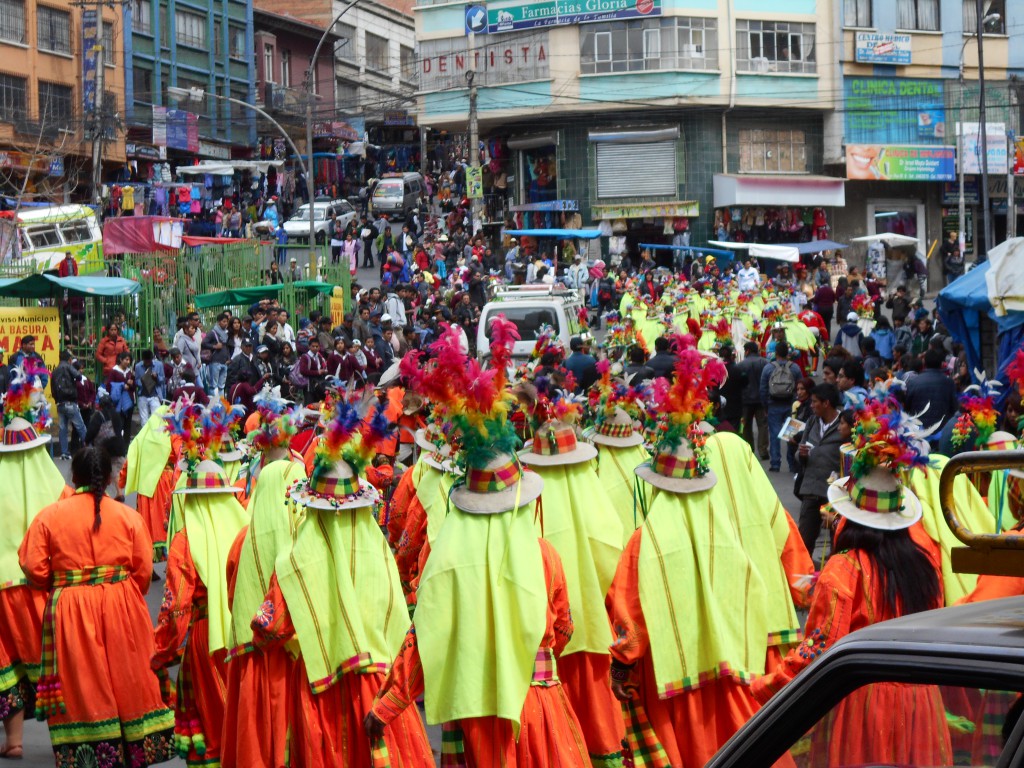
(94, 557)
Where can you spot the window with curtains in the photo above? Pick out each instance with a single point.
(649, 44)
(376, 52)
(988, 8)
(190, 29)
(142, 17)
(53, 30)
(286, 68)
(775, 46)
(918, 14)
(857, 13)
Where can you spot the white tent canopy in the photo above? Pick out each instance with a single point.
(227, 168)
(762, 251)
(1005, 276)
(887, 237)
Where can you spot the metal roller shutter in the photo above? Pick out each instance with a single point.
(636, 170)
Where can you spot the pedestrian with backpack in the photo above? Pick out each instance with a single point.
(64, 388)
(778, 388)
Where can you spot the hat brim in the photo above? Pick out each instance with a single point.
(676, 484)
(581, 453)
(33, 443)
(493, 503)
(616, 442)
(882, 521)
(445, 466)
(235, 455)
(205, 491)
(420, 438)
(368, 496)
(1016, 473)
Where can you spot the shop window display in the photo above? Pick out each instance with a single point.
(771, 225)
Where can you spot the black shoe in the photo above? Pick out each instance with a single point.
(773, 469)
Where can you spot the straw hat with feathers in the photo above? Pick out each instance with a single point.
(615, 407)
(202, 432)
(26, 415)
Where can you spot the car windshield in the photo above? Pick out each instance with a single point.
(528, 320)
(303, 213)
(392, 188)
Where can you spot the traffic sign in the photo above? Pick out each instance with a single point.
(476, 19)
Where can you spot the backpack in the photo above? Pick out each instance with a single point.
(296, 378)
(106, 431)
(781, 382)
(63, 386)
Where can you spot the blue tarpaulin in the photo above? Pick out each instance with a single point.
(562, 234)
(816, 246)
(961, 305)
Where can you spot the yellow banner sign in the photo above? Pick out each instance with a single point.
(41, 322)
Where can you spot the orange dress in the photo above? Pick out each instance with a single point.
(182, 636)
(327, 728)
(549, 734)
(693, 724)
(101, 633)
(256, 718)
(398, 510)
(878, 724)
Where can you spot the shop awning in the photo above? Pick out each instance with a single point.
(42, 286)
(550, 205)
(694, 248)
(732, 189)
(816, 246)
(255, 293)
(227, 168)
(763, 251)
(564, 234)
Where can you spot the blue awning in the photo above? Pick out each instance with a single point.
(549, 205)
(564, 234)
(694, 248)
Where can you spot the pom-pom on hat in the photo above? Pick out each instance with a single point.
(885, 443)
(615, 407)
(279, 422)
(975, 427)
(678, 434)
(202, 432)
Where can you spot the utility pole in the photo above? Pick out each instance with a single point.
(474, 140)
(986, 209)
(98, 121)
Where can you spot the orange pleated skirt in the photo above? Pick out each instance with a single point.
(21, 620)
(327, 728)
(256, 716)
(585, 679)
(202, 691)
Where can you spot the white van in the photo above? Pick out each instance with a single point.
(530, 307)
(39, 237)
(396, 194)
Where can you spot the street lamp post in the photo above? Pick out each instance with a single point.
(986, 212)
(962, 238)
(310, 86)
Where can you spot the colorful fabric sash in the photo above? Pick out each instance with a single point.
(20, 436)
(669, 465)
(545, 669)
(641, 748)
(49, 696)
(876, 501)
(491, 480)
(552, 441)
(615, 430)
(334, 487)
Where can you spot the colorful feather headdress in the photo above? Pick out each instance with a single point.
(547, 341)
(25, 400)
(1015, 372)
(279, 423)
(347, 437)
(681, 405)
(554, 404)
(477, 400)
(884, 436)
(606, 396)
(183, 421)
(978, 418)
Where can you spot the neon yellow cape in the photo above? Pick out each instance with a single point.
(212, 523)
(431, 487)
(272, 528)
(615, 471)
(712, 586)
(971, 510)
(31, 481)
(586, 531)
(148, 454)
(480, 616)
(341, 585)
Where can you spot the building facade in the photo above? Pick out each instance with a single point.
(204, 44)
(903, 103)
(665, 120)
(49, 109)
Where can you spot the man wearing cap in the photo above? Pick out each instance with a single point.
(849, 335)
(294, 270)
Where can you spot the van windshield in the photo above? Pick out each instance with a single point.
(388, 188)
(528, 320)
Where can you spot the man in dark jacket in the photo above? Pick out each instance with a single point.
(581, 364)
(664, 361)
(750, 369)
(64, 388)
(216, 344)
(730, 406)
(819, 455)
(242, 362)
(934, 390)
(637, 372)
(778, 400)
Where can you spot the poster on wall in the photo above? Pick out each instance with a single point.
(474, 183)
(90, 39)
(998, 158)
(529, 14)
(876, 48)
(894, 110)
(951, 223)
(540, 174)
(895, 162)
(41, 322)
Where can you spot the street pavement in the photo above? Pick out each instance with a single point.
(37, 741)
